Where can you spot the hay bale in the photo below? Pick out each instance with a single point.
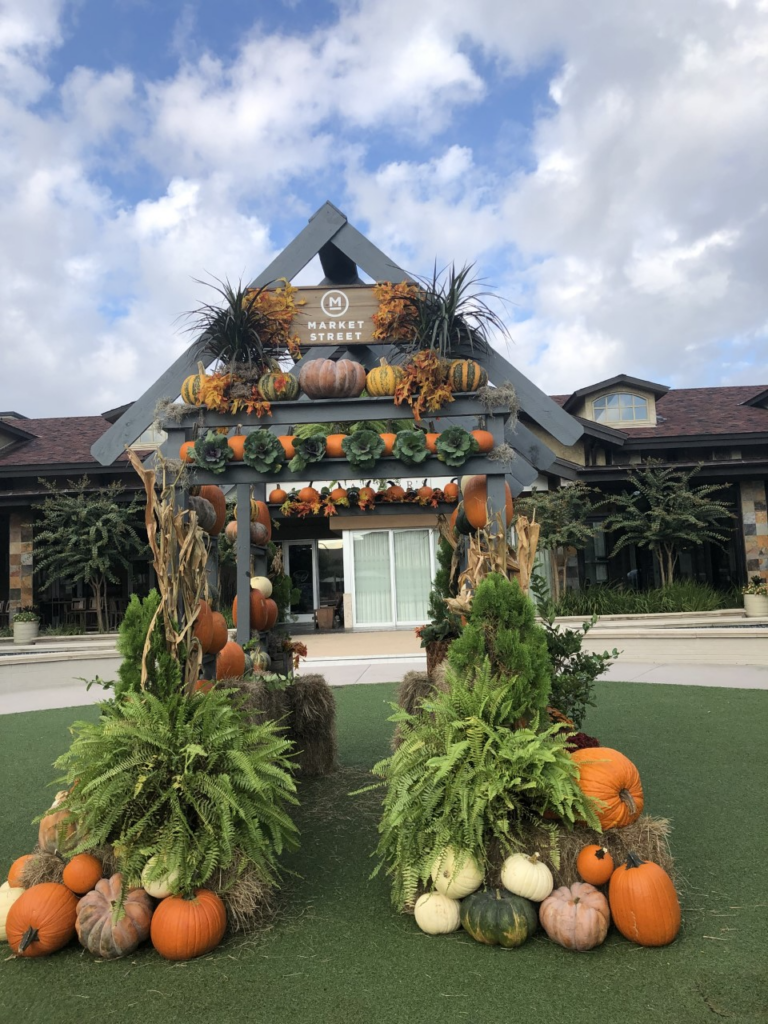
(43, 867)
(258, 702)
(414, 688)
(648, 837)
(312, 723)
(249, 901)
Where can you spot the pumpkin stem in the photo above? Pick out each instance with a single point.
(628, 799)
(600, 854)
(633, 860)
(534, 858)
(29, 936)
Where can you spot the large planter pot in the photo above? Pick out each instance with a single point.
(755, 604)
(25, 632)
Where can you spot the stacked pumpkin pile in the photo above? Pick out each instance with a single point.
(110, 918)
(641, 901)
(313, 501)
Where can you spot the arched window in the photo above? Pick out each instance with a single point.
(620, 408)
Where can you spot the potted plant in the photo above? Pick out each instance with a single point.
(26, 626)
(755, 597)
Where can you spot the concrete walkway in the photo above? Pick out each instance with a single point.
(53, 673)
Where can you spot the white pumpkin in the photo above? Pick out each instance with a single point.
(262, 584)
(452, 882)
(527, 876)
(8, 897)
(437, 914)
(160, 887)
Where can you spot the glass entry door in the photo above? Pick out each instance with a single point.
(393, 572)
(301, 565)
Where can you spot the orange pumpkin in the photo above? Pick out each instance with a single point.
(644, 903)
(16, 871)
(82, 873)
(367, 494)
(425, 491)
(286, 440)
(272, 612)
(259, 614)
(185, 450)
(431, 441)
(219, 633)
(42, 920)
(594, 864)
(326, 378)
(338, 493)
(278, 496)
(610, 778)
(203, 627)
(333, 449)
(310, 495)
(237, 444)
(395, 492)
(389, 442)
(476, 502)
(182, 929)
(451, 491)
(105, 930)
(485, 439)
(230, 661)
(203, 686)
(216, 497)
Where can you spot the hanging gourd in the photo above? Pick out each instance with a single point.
(610, 778)
(644, 902)
(277, 386)
(595, 864)
(326, 378)
(192, 386)
(466, 375)
(576, 917)
(383, 379)
(214, 494)
(475, 496)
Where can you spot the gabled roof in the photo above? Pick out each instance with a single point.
(61, 440)
(13, 429)
(620, 380)
(759, 400)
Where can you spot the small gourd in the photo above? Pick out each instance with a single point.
(456, 873)
(595, 864)
(437, 914)
(192, 386)
(277, 386)
(383, 379)
(527, 876)
(263, 584)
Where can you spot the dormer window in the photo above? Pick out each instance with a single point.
(619, 408)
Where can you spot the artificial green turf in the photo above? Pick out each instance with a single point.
(340, 954)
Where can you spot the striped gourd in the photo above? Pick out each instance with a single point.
(279, 387)
(466, 375)
(192, 386)
(383, 379)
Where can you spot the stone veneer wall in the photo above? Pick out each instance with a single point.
(754, 515)
(20, 593)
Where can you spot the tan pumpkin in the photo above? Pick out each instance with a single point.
(8, 896)
(610, 779)
(326, 378)
(111, 927)
(576, 917)
(383, 379)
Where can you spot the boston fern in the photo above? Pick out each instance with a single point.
(307, 449)
(212, 452)
(188, 780)
(363, 448)
(455, 445)
(410, 447)
(263, 452)
(462, 778)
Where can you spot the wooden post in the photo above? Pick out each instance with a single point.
(243, 552)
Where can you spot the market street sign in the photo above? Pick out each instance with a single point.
(336, 316)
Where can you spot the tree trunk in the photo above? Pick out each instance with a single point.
(555, 574)
(659, 554)
(98, 586)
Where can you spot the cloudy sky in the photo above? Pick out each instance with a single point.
(604, 165)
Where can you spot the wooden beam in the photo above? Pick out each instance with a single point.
(322, 227)
(533, 401)
(529, 446)
(367, 256)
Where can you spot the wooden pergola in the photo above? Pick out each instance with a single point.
(342, 249)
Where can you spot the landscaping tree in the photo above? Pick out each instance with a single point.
(664, 513)
(562, 517)
(86, 534)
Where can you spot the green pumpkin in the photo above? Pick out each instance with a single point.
(463, 525)
(498, 918)
(279, 387)
(466, 375)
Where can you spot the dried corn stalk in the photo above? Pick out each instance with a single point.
(179, 555)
